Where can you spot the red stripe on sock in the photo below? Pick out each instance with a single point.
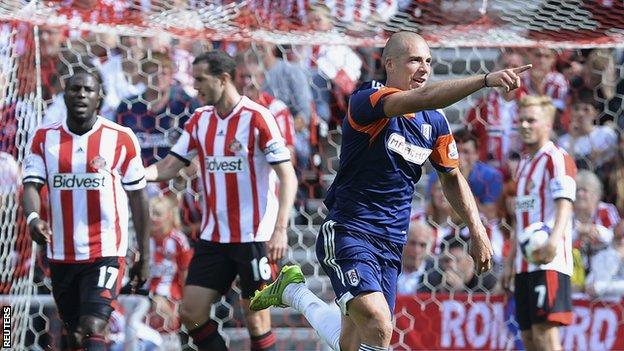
(263, 342)
(204, 331)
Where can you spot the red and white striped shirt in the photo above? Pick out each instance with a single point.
(606, 215)
(86, 176)
(495, 123)
(170, 257)
(282, 115)
(541, 179)
(235, 156)
(554, 84)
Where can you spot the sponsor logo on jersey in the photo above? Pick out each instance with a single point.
(525, 203)
(410, 152)
(426, 130)
(225, 164)
(353, 277)
(74, 181)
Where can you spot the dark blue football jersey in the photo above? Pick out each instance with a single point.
(381, 160)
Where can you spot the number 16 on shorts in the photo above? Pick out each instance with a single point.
(261, 269)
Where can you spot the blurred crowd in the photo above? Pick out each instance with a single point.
(149, 88)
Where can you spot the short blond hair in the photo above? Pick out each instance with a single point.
(543, 101)
(170, 203)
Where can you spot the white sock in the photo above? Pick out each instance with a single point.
(323, 318)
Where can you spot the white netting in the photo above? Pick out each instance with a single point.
(144, 50)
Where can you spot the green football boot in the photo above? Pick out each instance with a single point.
(271, 295)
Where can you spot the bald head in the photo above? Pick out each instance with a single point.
(399, 42)
(407, 60)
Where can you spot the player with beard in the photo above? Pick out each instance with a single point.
(242, 155)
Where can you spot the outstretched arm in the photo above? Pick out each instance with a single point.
(442, 94)
(165, 169)
(459, 196)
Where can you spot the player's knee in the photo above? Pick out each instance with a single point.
(191, 317)
(374, 325)
(92, 326)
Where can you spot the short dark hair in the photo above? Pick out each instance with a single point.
(91, 70)
(464, 135)
(218, 62)
(585, 96)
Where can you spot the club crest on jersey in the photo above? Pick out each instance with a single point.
(452, 151)
(98, 162)
(235, 146)
(353, 277)
(426, 130)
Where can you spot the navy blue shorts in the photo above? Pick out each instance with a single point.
(358, 263)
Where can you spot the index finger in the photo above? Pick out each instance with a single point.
(522, 68)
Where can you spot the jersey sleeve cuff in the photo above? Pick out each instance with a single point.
(33, 179)
(180, 157)
(278, 162)
(135, 185)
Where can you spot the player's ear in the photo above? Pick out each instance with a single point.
(389, 64)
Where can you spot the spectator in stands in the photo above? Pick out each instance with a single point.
(290, 84)
(494, 119)
(543, 79)
(417, 261)
(592, 146)
(102, 48)
(614, 177)
(52, 40)
(170, 255)
(594, 220)
(455, 270)
(334, 69)
(486, 182)
(147, 339)
(158, 114)
(606, 278)
(249, 81)
(436, 214)
(599, 75)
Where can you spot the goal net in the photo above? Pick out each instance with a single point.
(144, 51)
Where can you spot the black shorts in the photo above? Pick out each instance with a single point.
(86, 289)
(543, 296)
(216, 265)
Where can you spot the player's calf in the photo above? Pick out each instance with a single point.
(259, 326)
(371, 316)
(207, 337)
